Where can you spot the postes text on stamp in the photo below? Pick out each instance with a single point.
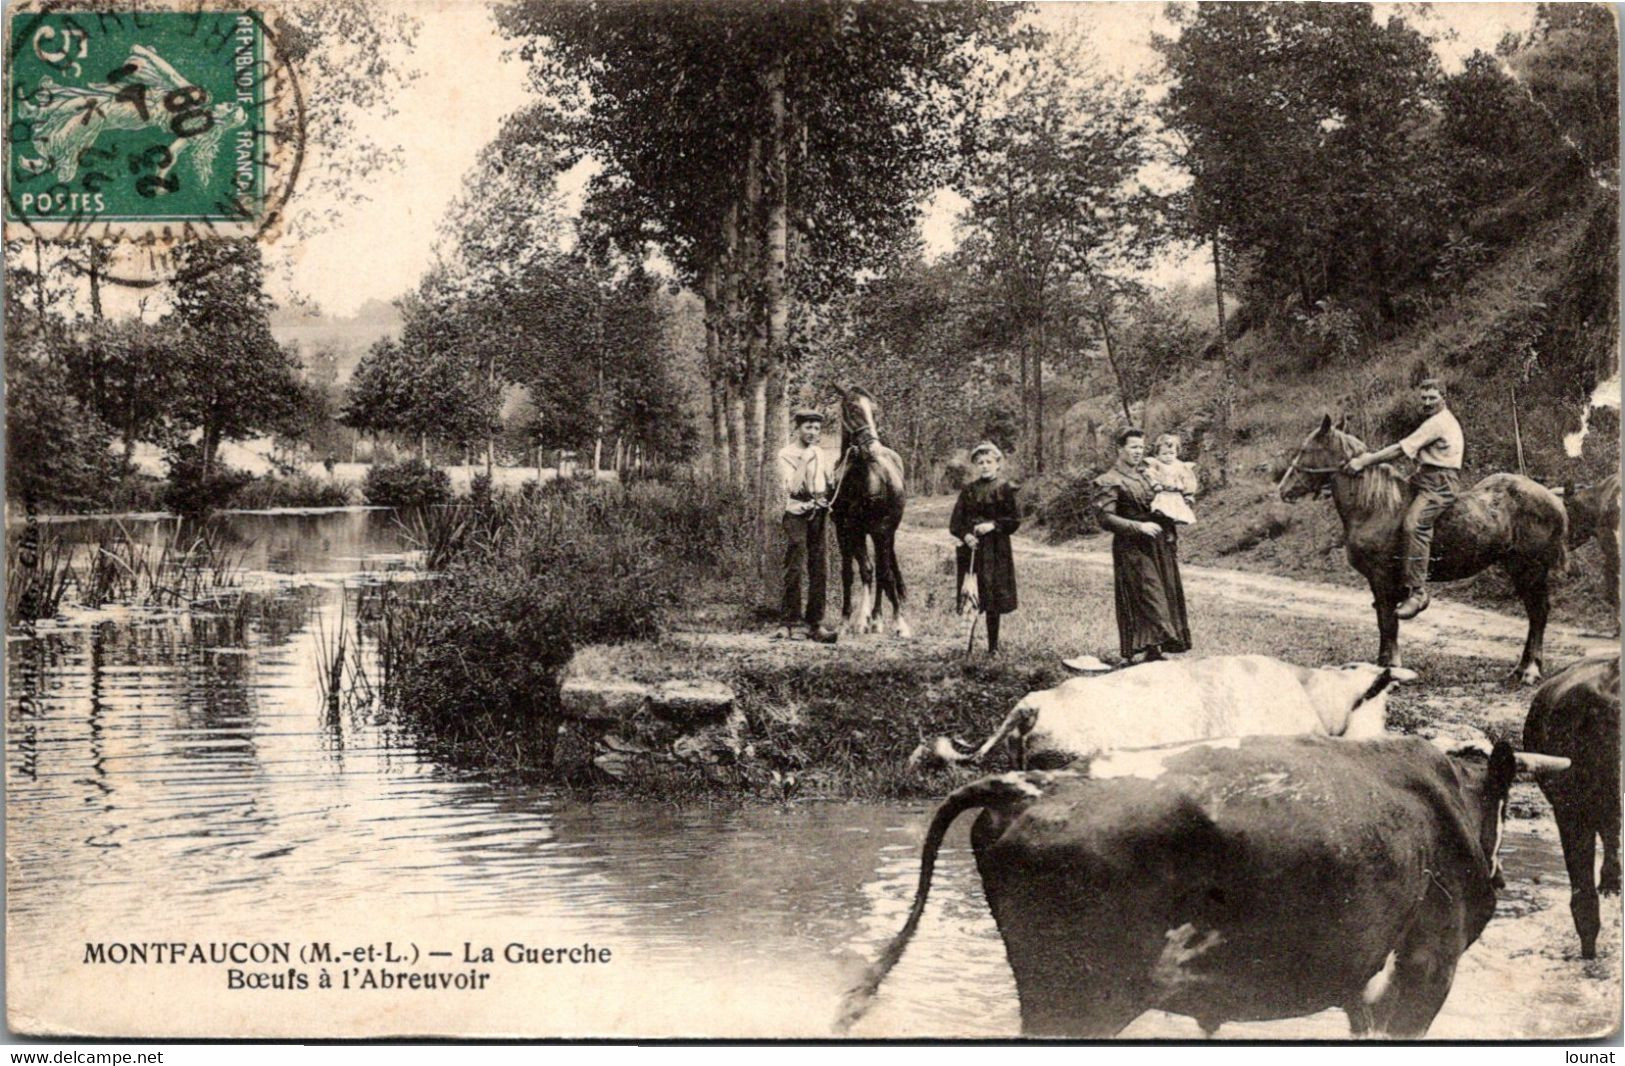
(126, 124)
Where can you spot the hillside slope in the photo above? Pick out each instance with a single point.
(1536, 319)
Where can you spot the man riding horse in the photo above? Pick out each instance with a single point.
(1436, 445)
(1505, 520)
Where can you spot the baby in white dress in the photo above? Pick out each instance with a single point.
(1174, 482)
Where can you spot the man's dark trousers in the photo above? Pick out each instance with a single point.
(804, 550)
(1436, 489)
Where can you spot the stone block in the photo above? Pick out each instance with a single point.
(714, 743)
(598, 699)
(694, 702)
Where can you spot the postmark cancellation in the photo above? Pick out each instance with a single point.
(147, 124)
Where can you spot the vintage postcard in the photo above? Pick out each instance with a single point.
(837, 520)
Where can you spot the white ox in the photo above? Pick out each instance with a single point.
(1171, 702)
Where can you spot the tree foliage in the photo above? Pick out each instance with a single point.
(352, 61)
(1056, 202)
(769, 152)
(57, 450)
(1306, 130)
(234, 380)
(131, 373)
(911, 337)
(418, 389)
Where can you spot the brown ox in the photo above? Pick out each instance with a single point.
(1234, 880)
(1575, 714)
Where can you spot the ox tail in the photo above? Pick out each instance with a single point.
(987, 792)
(944, 752)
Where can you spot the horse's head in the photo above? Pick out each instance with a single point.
(858, 419)
(1584, 506)
(1322, 453)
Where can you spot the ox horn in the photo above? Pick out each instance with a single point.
(1536, 763)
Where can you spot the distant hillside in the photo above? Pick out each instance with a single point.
(346, 340)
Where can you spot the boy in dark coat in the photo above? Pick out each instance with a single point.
(983, 520)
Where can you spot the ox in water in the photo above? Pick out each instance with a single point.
(1171, 702)
(1235, 880)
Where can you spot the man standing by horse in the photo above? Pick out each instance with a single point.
(807, 491)
(1436, 445)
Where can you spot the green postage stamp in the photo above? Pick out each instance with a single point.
(144, 123)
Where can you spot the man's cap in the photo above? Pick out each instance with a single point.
(807, 414)
(985, 447)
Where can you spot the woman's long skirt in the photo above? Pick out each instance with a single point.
(1150, 596)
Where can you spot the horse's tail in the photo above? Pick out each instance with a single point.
(1558, 557)
(896, 572)
(1540, 521)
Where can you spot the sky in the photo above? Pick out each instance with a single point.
(383, 245)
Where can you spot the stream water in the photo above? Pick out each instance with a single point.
(173, 776)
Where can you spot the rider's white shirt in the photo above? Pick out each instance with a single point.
(1437, 441)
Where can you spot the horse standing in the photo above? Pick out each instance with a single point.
(868, 506)
(1504, 520)
(1594, 512)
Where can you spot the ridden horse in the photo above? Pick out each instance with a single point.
(1504, 520)
(868, 506)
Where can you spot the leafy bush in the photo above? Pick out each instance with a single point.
(1060, 503)
(479, 488)
(474, 659)
(136, 493)
(56, 448)
(664, 470)
(413, 483)
(191, 491)
(958, 472)
(300, 490)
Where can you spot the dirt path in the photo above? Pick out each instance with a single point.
(1444, 626)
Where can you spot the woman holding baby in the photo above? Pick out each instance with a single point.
(1142, 501)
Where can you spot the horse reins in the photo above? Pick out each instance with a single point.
(839, 477)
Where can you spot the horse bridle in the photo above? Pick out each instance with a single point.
(1293, 468)
(865, 434)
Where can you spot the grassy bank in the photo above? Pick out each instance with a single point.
(655, 582)
(844, 719)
